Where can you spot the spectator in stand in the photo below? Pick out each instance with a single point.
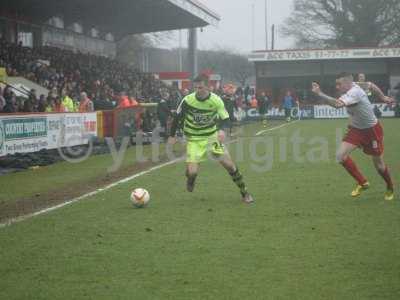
(58, 106)
(53, 93)
(11, 104)
(253, 102)
(164, 112)
(58, 70)
(132, 100)
(2, 100)
(50, 104)
(67, 102)
(85, 104)
(42, 104)
(124, 101)
(7, 93)
(103, 102)
(28, 105)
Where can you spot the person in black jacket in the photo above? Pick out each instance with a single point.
(164, 112)
(11, 105)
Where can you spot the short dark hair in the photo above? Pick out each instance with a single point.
(201, 79)
(345, 75)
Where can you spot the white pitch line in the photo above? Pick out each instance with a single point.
(110, 186)
(274, 128)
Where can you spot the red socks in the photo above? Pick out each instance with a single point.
(351, 167)
(388, 179)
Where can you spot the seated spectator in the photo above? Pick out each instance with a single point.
(59, 69)
(103, 102)
(50, 104)
(11, 105)
(58, 106)
(133, 100)
(254, 102)
(85, 104)
(28, 106)
(2, 100)
(42, 104)
(124, 101)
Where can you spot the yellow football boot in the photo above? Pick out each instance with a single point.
(359, 189)
(389, 195)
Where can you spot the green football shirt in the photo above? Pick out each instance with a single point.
(199, 117)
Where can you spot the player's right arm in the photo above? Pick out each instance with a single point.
(178, 119)
(336, 103)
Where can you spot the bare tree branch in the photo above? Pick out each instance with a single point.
(344, 23)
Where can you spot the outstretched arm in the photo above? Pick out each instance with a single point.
(336, 103)
(378, 92)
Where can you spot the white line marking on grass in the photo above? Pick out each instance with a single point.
(110, 186)
(274, 128)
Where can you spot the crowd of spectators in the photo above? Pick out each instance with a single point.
(72, 78)
(80, 82)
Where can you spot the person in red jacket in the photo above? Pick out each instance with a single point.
(124, 101)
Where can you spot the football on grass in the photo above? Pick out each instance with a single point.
(140, 197)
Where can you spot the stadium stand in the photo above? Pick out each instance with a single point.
(63, 70)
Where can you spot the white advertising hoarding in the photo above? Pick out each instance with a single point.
(328, 112)
(33, 132)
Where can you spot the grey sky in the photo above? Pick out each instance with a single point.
(235, 28)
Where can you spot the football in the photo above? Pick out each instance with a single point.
(140, 197)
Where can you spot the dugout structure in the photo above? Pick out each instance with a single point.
(281, 70)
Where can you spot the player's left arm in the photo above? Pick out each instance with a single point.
(224, 121)
(378, 92)
(336, 103)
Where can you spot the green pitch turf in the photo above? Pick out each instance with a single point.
(305, 238)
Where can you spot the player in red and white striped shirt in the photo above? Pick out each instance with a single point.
(365, 131)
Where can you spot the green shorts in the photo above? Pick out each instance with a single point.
(197, 150)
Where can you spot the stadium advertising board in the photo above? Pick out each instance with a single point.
(31, 133)
(275, 113)
(323, 54)
(328, 112)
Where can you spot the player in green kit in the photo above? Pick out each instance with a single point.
(203, 117)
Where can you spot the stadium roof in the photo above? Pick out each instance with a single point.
(120, 17)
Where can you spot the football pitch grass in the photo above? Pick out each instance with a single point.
(304, 238)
